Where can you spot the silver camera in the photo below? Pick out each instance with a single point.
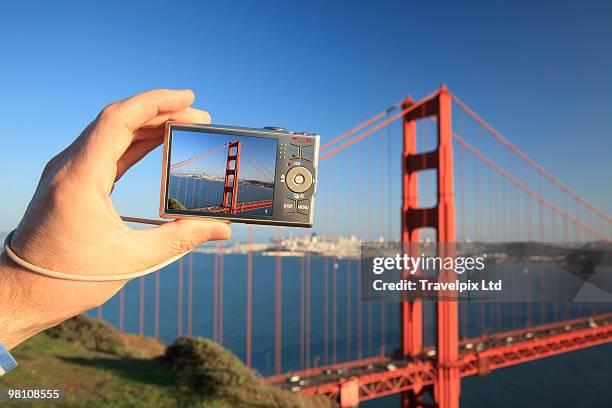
(258, 176)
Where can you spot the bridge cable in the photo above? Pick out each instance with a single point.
(531, 162)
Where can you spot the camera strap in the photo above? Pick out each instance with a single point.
(83, 278)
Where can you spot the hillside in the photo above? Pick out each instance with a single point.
(95, 366)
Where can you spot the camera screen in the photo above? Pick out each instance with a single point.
(220, 175)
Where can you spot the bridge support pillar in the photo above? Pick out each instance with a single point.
(411, 312)
(442, 219)
(448, 386)
(349, 393)
(230, 185)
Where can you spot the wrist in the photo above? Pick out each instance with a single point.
(22, 308)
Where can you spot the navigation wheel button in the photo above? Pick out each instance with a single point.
(298, 179)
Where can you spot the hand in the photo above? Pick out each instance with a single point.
(71, 225)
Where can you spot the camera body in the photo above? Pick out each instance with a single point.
(258, 176)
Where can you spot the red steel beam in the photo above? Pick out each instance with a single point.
(325, 311)
(241, 207)
(448, 385)
(216, 297)
(524, 351)
(320, 370)
(278, 312)
(190, 295)
(230, 185)
(141, 307)
(249, 305)
(156, 324)
(442, 219)
(308, 307)
(121, 309)
(517, 334)
(416, 375)
(302, 365)
(179, 317)
(411, 312)
(221, 291)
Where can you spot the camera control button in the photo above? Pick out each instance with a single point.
(289, 207)
(303, 207)
(298, 179)
(301, 140)
(293, 151)
(308, 153)
(295, 196)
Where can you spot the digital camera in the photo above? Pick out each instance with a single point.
(258, 176)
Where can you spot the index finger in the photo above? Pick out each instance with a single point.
(116, 124)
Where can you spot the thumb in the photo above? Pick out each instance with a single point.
(180, 236)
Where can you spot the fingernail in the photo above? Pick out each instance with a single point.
(189, 91)
(221, 231)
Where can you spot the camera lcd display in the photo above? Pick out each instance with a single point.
(220, 175)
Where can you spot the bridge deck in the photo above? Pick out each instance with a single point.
(380, 376)
(241, 207)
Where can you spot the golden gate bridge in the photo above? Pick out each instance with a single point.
(235, 173)
(462, 180)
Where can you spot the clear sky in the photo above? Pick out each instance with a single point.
(541, 72)
(258, 154)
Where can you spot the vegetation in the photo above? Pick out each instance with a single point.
(174, 204)
(212, 374)
(91, 334)
(95, 366)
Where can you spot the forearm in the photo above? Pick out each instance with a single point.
(31, 303)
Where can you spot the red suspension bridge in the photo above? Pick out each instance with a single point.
(461, 181)
(206, 196)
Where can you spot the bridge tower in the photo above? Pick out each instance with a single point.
(230, 186)
(441, 218)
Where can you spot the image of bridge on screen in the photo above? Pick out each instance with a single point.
(215, 174)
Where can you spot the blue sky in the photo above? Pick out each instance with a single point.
(541, 72)
(258, 154)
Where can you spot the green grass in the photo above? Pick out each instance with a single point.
(196, 373)
(91, 378)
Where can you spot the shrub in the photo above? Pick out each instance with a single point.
(216, 375)
(91, 334)
(174, 204)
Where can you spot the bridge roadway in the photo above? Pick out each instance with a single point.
(381, 376)
(241, 207)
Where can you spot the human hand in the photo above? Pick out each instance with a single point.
(71, 225)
